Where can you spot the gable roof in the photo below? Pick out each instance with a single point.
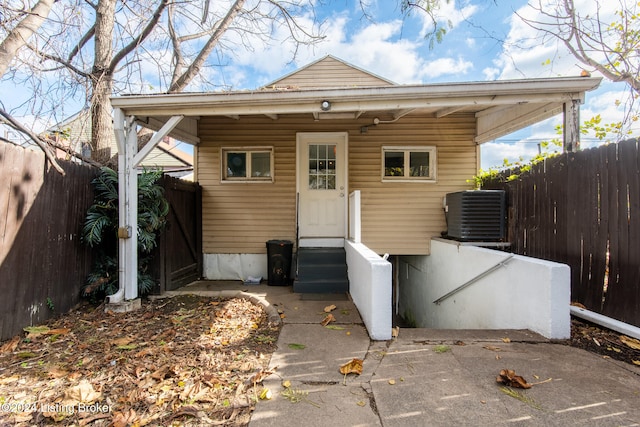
(328, 72)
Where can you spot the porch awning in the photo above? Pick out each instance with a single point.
(501, 107)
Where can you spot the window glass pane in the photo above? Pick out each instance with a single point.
(322, 166)
(260, 164)
(393, 163)
(237, 164)
(419, 163)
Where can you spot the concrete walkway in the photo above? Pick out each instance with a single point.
(428, 377)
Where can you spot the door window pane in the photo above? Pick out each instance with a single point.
(322, 166)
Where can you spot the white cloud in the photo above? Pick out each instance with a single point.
(491, 73)
(444, 66)
(493, 154)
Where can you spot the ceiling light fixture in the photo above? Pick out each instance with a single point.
(325, 105)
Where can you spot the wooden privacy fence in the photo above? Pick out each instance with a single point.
(43, 264)
(583, 209)
(178, 257)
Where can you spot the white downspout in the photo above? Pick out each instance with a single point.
(131, 204)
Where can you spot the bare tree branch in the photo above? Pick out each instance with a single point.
(43, 145)
(181, 82)
(143, 34)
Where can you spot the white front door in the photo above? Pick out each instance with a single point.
(322, 185)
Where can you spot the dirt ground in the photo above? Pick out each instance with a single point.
(181, 361)
(605, 342)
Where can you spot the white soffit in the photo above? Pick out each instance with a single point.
(501, 107)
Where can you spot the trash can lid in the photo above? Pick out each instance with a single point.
(279, 242)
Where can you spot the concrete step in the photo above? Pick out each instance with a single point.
(321, 286)
(321, 270)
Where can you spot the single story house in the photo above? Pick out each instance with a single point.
(331, 154)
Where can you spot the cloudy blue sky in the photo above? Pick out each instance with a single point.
(487, 41)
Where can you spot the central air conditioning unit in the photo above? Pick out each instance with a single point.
(476, 215)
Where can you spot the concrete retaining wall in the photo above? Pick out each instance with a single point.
(525, 293)
(370, 287)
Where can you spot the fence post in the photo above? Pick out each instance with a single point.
(571, 131)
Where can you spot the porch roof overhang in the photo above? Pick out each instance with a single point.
(501, 107)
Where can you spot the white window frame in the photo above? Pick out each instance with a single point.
(407, 150)
(224, 178)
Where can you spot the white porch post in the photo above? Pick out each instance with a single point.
(571, 133)
(128, 160)
(127, 141)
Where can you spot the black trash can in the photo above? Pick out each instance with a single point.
(279, 255)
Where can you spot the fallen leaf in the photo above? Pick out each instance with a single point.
(124, 419)
(395, 332)
(352, 367)
(82, 393)
(296, 346)
(10, 346)
(335, 327)
(630, 342)
(9, 380)
(286, 383)
(492, 348)
(58, 331)
(121, 341)
(328, 319)
(55, 372)
(508, 377)
(506, 340)
(127, 347)
(361, 403)
(392, 382)
(34, 331)
(329, 308)
(260, 376)
(636, 362)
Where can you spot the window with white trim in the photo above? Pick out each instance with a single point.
(247, 164)
(401, 163)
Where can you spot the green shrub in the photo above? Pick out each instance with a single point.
(100, 230)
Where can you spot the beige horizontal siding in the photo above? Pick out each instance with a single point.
(397, 217)
(329, 72)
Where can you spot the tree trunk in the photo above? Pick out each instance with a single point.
(22, 32)
(102, 83)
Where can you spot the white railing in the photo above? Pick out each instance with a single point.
(354, 217)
